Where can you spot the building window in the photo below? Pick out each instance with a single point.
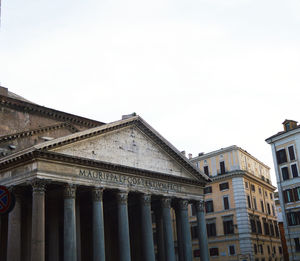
(207, 190)
(276, 229)
(222, 167)
(258, 225)
(226, 202)
(209, 206)
(249, 201)
(194, 232)
(253, 187)
(269, 250)
(281, 156)
(253, 225)
(246, 185)
(274, 250)
(197, 253)
(273, 210)
(224, 186)
(297, 193)
(291, 152)
(293, 218)
(259, 190)
(206, 170)
(214, 251)
(297, 244)
(288, 196)
(231, 250)
(268, 208)
(280, 249)
(266, 227)
(262, 206)
(294, 170)
(285, 173)
(272, 229)
(228, 227)
(266, 194)
(271, 195)
(211, 229)
(255, 249)
(261, 249)
(254, 203)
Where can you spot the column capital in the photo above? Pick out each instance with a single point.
(38, 185)
(166, 202)
(199, 204)
(122, 197)
(97, 194)
(145, 199)
(183, 204)
(69, 191)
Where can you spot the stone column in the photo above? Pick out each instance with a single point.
(98, 226)
(70, 251)
(159, 234)
(14, 230)
(147, 233)
(201, 230)
(38, 221)
(184, 228)
(123, 226)
(168, 232)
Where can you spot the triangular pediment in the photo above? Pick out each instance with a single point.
(128, 147)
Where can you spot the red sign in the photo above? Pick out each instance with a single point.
(5, 200)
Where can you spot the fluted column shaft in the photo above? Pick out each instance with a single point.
(123, 226)
(70, 251)
(14, 231)
(98, 225)
(184, 227)
(147, 233)
(168, 232)
(201, 229)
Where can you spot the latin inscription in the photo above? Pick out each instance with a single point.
(129, 181)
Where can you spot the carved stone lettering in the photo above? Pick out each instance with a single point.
(129, 181)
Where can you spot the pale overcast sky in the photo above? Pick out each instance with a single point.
(206, 74)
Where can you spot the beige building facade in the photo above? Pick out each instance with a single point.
(240, 214)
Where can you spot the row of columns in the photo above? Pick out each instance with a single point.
(165, 244)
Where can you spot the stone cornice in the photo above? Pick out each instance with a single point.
(62, 158)
(47, 112)
(38, 130)
(242, 173)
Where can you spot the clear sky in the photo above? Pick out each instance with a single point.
(206, 74)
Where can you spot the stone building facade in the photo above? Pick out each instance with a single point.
(285, 150)
(240, 214)
(86, 190)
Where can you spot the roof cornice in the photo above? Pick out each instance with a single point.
(282, 135)
(47, 112)
(38, 130)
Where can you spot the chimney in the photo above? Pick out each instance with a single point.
(200, 154)
(3, 91)
(190, 155)
(183, 152)
(289, 125)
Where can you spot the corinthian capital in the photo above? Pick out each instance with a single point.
(166, 202)
(199, 204)
(97, 194)
(145, 199)
(122, 197)
(38, 185)
(69, 191)
(183, 204)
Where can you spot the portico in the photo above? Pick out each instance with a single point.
(86, 207)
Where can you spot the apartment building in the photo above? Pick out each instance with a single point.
(240, 214)
(285, 147)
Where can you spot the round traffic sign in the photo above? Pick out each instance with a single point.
(5, 200)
